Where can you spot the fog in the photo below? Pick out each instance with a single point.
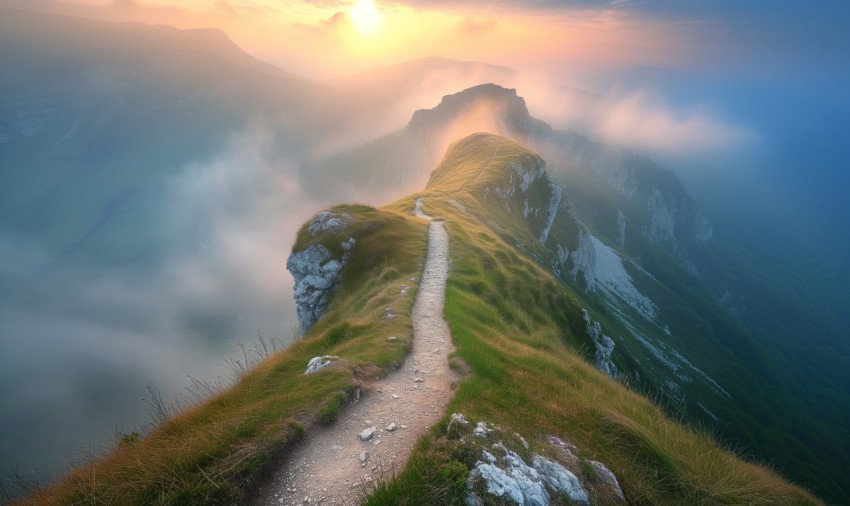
(83, 338)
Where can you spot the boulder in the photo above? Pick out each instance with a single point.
(509, 478)
(316, 364)
(559, 479)
(328, 221)
(608, 478)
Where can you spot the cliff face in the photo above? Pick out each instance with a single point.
(633, 317)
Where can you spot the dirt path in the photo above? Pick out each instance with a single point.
(329, 466)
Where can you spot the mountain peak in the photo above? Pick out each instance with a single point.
(485, 107)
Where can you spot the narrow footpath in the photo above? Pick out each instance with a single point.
(340, 463)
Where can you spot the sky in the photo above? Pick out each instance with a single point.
(322, 38)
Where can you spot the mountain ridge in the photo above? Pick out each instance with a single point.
(534, 392)
(633, 215)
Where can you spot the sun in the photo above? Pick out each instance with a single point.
(365, 16)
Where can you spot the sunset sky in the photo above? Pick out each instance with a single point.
(322, 38)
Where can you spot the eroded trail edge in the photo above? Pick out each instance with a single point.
(334, 465)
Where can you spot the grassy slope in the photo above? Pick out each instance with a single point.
(517, 329)
(521, 335)
(215, 451)
(778, 406)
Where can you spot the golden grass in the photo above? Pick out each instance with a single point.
(213, 452)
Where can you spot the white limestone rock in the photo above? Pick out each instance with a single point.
(621, 228)
(560, 479)
(552, 210)
(457, 418)
(514, 481)
(316, 364)
(567, 451)
(367, 434)
(604, 345)
(504, 474)
(481, 429)
(522, 440)
(608, 478)
(662, 216)
(604, 272)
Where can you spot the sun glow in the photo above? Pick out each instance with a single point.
(365, 16)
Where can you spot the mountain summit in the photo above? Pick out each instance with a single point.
(486, 108)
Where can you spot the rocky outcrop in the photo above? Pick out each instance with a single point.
(604, 345)
(509, 477)
(507, 110)
(316, 270)
(327, 221)
(316, 364)
(515, 476)
(552, 209)
(603, 271)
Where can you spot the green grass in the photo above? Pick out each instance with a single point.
(214, 452)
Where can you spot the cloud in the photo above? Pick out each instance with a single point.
(640, 118)
(471, 26)
(337, 21)
(81, 340)
(643, 121)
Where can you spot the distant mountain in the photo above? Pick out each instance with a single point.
(95, 117)
(81, 98)
(103, 129)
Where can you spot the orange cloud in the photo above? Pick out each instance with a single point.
(471, 26)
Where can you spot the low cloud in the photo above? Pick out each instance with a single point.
(643, 121)
(81, 339)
